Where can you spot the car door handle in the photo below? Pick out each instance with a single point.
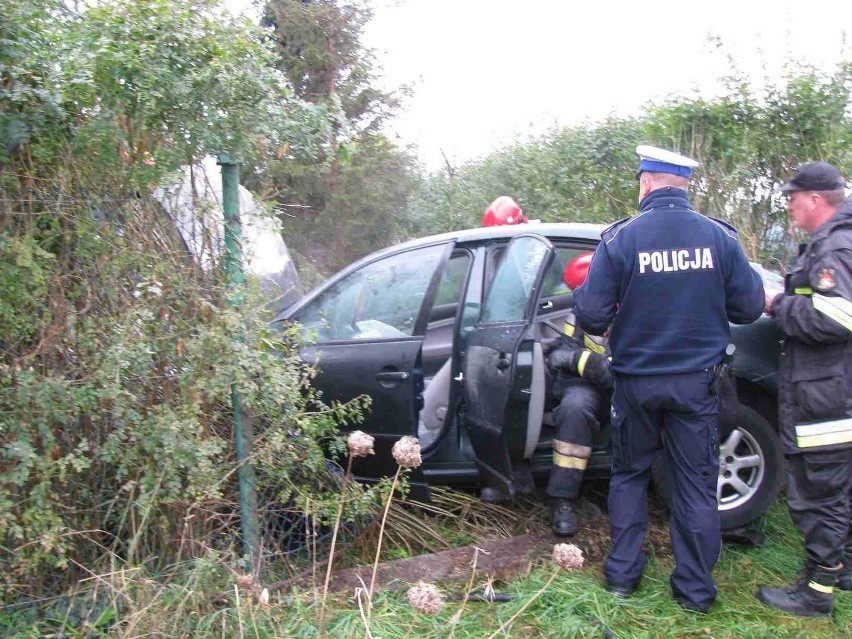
(503, 362)
(392, 376)
(545, 306)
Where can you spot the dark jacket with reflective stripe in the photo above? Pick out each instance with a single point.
(815, 312)
(668, 280)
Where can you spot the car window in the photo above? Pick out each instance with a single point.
(382, 300)
(514, 280)
(452, 280)
(553, 284)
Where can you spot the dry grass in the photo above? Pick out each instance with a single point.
(204, 598)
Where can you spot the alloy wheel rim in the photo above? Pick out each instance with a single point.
(741, 469)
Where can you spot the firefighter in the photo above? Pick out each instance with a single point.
(815, 409)
(667, 281)
(583, 387)
(504, 210)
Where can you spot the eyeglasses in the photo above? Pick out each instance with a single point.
(789, 195)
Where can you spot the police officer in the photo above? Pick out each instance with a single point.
(583, 386)
(815, 409)
(668, 281)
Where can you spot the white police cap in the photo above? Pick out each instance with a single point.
(658, 160)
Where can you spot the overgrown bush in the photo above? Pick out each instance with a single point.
(118, 354)
(118, 362)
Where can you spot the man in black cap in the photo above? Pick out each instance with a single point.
(669, 280)
(815, 409)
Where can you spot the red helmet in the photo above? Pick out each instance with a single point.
(577, 270)
(503, 210)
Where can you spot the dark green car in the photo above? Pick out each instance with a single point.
(448, 334)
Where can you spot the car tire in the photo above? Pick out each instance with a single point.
(751, 469)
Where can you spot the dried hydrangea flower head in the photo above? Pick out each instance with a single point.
(568, 556)
(406, 452)
(425, 598)
(360, 444)
(245, 581)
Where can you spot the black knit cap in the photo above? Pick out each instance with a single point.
(815, 176)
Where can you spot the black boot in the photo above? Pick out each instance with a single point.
(564, 518)
(810, 597)
(844, 579)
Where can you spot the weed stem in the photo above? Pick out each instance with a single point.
(512, 619)
(320, 626)
(379, 547)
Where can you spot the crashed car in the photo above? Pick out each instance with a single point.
(448, 335)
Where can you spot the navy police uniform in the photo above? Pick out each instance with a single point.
(668, 281)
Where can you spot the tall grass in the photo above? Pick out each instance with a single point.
(197, 599)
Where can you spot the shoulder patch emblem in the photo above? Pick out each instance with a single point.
(826, 279)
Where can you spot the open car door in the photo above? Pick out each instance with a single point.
(498, 364)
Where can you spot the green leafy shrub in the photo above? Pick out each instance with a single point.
(115, 401)
(119, 355)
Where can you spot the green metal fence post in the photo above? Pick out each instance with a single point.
(242, 419)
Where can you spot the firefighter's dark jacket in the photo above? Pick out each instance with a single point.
(669, 280)
(815, 312)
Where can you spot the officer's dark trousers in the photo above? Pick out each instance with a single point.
(819, 496)
(577, 418)
(676, 413)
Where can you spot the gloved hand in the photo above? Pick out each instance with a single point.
(596, 371)
(571, 357)
(565, 358)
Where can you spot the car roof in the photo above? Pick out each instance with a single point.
(576, 230)
(566, 230)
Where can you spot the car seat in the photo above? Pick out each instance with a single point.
(436, 400)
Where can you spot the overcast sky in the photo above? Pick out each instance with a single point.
(485, 71)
